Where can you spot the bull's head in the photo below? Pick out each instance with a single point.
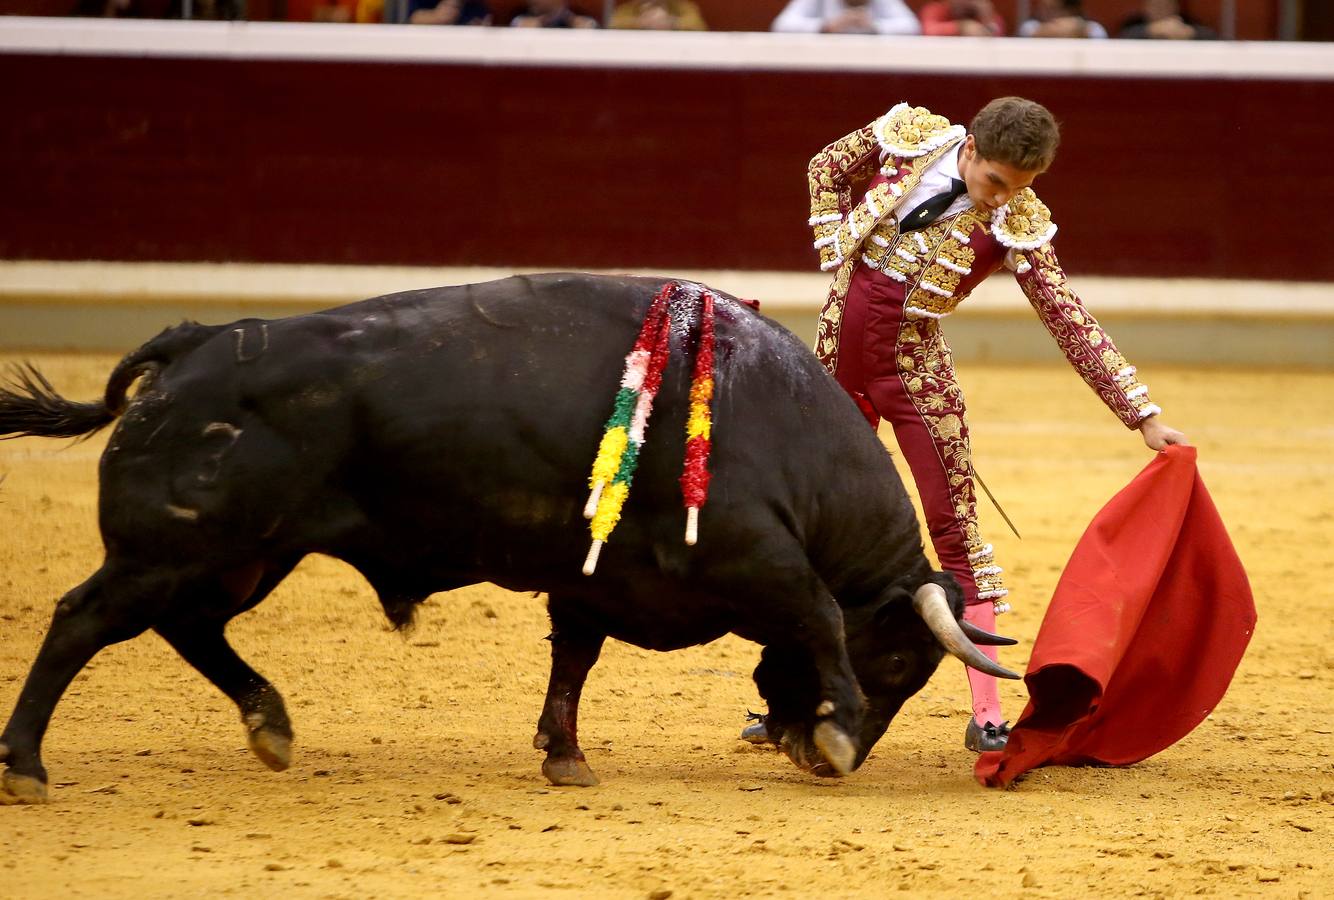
(895, 644)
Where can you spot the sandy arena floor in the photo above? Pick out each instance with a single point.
(413, 773)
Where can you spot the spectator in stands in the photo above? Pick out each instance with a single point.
(847, 17)
(449, 12)
(969, 18)
(658, 15)
(1164, 20)
(552, 14)
(1061, 19)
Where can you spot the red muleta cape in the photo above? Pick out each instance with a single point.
(1142, 637)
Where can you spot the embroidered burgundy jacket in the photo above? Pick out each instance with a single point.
(936, 268)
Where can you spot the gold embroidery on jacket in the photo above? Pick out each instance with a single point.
(948, 255)
(831, 317)
(1024, 223)
(1082, 340)
(830, 175)
(911, 131)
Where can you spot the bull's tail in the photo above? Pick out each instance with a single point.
(30, 406)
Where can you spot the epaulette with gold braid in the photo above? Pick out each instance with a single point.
(1024, 223)
(911, 131)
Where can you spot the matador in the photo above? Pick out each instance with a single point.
(945, 208)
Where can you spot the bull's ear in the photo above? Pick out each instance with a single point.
(953, 590)
(894, 605)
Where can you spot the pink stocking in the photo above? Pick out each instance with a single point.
(986, 695)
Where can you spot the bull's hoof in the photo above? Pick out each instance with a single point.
(836, 747)
(798, 748)
(16, 788)
(272, 748)
(566, 770)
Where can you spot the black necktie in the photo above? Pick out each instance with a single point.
(930, 210)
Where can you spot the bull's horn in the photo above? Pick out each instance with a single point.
(931, 605)
(985, 638)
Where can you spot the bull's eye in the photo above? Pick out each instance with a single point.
(898, 664)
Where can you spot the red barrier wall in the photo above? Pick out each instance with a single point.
(215, 159)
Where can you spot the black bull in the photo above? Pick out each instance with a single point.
(440, 438)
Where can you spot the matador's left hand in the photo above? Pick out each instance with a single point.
(1158, 434)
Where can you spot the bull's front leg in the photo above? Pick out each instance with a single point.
(574, 650)
(789, 684)
(815, 703)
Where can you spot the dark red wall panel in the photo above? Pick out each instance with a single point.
(173, 159)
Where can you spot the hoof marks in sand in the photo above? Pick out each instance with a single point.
(568, 771)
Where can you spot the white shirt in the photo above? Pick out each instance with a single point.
(887, 16)
(936, 179)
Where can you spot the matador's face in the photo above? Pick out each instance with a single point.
(991, 183)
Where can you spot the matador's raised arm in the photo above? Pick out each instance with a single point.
(831, 173)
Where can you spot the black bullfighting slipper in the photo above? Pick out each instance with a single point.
(757, 733)
(986, 737)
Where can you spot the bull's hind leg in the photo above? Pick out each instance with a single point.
(111, 606)
(203, 644)
(574, 650)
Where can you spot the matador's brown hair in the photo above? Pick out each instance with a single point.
(1018, 132)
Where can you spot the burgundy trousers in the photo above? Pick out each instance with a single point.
(900, 370)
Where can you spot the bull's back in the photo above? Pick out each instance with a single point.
(530, 366)
(462, 422)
